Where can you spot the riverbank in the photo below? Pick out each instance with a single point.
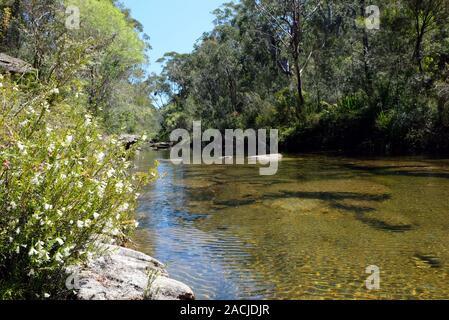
(124, 274)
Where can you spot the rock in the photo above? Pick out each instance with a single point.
(14, 65)
(128, 140)
(267, 158)
(427, 260)
(299, 206)
(162, 145)
(164, 288)
(124, 274)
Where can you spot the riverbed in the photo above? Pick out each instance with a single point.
(309, 232)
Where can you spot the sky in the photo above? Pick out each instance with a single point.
(173, 25)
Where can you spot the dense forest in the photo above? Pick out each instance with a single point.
(322, 72)
(316, 70)
(101, 46)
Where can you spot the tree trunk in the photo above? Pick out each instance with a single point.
(296, 52)
(366, 52)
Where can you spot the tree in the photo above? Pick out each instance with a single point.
(426, 14)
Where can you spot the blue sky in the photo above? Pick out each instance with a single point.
(173, 25)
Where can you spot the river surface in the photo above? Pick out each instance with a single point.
(309, 232)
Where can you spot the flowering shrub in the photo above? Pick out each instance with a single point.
(63, 189)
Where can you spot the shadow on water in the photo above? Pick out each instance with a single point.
(399, 171)
(332, 198)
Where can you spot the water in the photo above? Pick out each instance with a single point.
(309, 232)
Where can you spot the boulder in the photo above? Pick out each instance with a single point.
(162, 145)
(125, 274)
(128, 140)
(267, 158)
(163, 288)
(14, 65)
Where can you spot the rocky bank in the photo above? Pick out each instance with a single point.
(125, 274)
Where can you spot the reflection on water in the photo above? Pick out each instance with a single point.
(307, 233)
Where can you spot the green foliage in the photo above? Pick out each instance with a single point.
(63, 188)
(109, 45)
(377, 91)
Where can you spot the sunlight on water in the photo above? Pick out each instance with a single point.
(307, 233)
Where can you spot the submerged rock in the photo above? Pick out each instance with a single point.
(124, 274)
(299, 206)
(427, 261)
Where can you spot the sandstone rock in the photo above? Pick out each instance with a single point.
(299, 206)
(14, 65)
(128, 140)
(164, 288)
(124, 274)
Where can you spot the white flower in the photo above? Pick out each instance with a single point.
(59, 212)
(96, 215)
(136, 224)
(110, 173)
(22, 148)
(51, 148)
(68, 140)
(47, 295)
(31, 273)
(59, 257)
(80, 224)
(101, 189)
(30, 110)
(123, 207)
(100, 157)
(119, 187)
(59, 241)
(67, 251)
(24, 123)
(144, 137)
(88, 121)
(48, 207)
(54, 91)
(46, 106)
(36, 180)
(18, 249)
(13, 205)
(33, 252)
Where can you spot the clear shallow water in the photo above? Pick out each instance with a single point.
(307, 233)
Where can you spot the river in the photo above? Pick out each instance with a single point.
(309, 232)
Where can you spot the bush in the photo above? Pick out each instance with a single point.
(63, 189)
